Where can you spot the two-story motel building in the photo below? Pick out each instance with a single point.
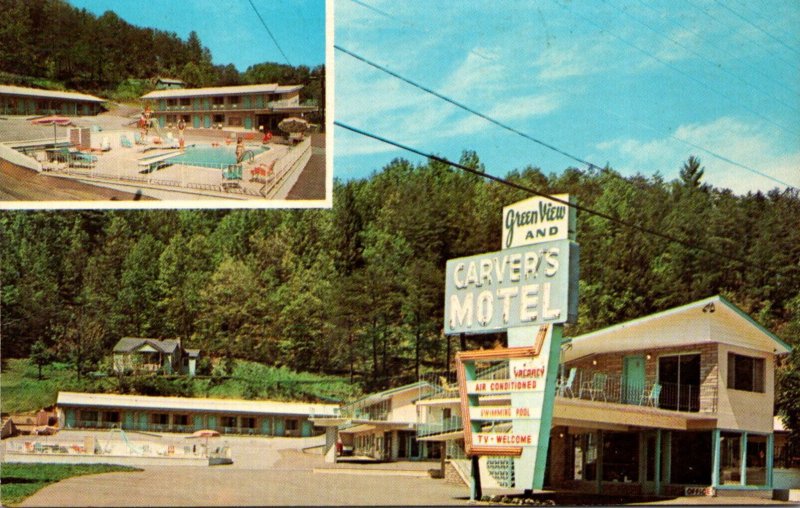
(248, 107)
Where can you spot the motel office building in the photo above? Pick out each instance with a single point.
(247, 107)
(177, 414)
(17, 100)
(678, 400)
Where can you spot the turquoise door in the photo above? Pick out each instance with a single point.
(69, 415)
(260, 101)
(162, 105)
(279, 427)
(129, 421)
(196, 122)
(207, 123)
(162, 121)
(206, 104)
(248, 122)
(198, 422)
(246, 102)
(307, 429)
(265, 426)
(142, 421)
(633, 379)
(212, 422)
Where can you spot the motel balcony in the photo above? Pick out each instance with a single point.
(590, 397)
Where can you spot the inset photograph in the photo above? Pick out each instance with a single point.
(147, 104)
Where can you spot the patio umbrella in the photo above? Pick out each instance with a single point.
(54, 120)
(293, 124)
(206, 433)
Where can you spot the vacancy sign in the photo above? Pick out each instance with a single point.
(537, 220)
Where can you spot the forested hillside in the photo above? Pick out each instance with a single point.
(358, 289)
(51, 44)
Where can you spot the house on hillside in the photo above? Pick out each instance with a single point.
(17, 100)
(168, 84)
(247, 107)
(133, 354)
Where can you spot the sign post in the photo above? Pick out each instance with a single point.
(528, 289)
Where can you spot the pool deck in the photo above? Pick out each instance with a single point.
(122, 166)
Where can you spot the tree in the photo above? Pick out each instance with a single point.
(692, 172)
(40, 355)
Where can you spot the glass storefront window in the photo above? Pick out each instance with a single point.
(730, 458)
(621, 457)
(585, 457)
(756, 460)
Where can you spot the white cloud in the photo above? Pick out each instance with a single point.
(747, 144)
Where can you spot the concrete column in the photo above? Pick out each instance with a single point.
(715, 457)
(658, 462)
(395, 445)
(743, 464)
(770, 458)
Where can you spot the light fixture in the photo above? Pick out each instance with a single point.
(649, 356)
(594, 362)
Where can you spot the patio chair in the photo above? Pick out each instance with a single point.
(125, 142)
(77, 159)
(565, 385)
(651, 398)
(596, 387)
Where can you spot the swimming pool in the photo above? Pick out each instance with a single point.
(212, 156)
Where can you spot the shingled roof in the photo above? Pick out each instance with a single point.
(130, 344)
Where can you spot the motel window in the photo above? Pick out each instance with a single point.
(756, 460)
(585, 456)
(89, 416)
(234, 100)
(172, 119)
(218, 100)
(691, 458)
(219, 118)
(159, 419)
(292, 424)
(185, 101)
(235, 121)
(111, 416)
(679, 376)
(620, 456)
(228, 421)
(248, 422)
(730, 458)
(745, 373)
(172, 102)
(180, 419)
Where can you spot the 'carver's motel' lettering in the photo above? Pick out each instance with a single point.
(518, 286)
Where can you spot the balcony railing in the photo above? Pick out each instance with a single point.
(452, 424)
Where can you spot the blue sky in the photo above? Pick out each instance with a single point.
(633, 84)
(230, 28)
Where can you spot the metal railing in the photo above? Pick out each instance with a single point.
(452, 424)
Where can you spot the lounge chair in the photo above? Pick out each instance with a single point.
(651, 399)
(125, 142)
(596, 387)
(565, 385)
(77, 158)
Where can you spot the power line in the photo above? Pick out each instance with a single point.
(269, 32)
(749, 22)
(535, 192)
(713, 63)
(669, 65)
(527, 136)
(710, 42)
(465, 108)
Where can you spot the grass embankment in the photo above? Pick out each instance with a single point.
(22, 480)
(23, 392)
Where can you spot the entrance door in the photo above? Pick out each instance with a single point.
(633, 379)
(650, 457)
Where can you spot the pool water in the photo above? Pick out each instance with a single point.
(212, 156)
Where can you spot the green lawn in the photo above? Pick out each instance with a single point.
(22, 480)
(21, 391)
